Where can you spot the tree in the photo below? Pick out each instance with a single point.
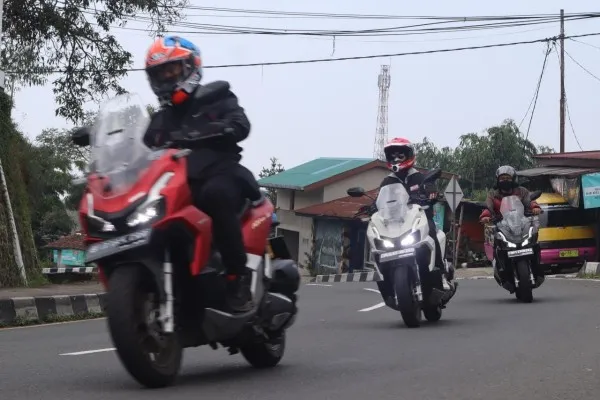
(478, 156)
(273, 169)
(72, 38)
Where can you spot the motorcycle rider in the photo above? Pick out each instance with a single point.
(400, 156)
(506, 185)
(217, 181)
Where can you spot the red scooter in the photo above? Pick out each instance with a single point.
(164, 280)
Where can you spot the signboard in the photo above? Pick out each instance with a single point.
(439, 209)
(75, 258)
(590, 184)
(453, 194)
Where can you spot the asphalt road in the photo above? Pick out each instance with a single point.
(486, 347)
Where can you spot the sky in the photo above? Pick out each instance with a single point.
(305, 111)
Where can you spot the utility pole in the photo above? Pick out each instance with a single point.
(4, 188)
(563, 96)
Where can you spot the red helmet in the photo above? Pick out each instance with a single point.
(399, 154)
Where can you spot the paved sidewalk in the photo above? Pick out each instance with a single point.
(67, 289)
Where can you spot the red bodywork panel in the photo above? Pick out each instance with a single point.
(256, 223)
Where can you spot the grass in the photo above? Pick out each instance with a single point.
(50, 319)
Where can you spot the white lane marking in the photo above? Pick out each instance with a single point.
(318, 284)
(375, 307)
(372, 290)
(81, 353)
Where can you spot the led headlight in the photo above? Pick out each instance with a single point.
(407, 241)
(146, 214)
(388, 244)
(503, 238)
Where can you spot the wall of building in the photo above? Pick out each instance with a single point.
(303, 225)
(368, 180)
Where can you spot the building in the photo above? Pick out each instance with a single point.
(317, 216)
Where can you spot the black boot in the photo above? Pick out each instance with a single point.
(239, 295)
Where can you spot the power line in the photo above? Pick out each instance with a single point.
(567, 104)
(325, 60)
(581, 66)
(571, 124)
(537, 90)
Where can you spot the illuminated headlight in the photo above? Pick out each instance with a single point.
(527, 237)
(388, 244)
(108, 227)
(145, 214)
(407, 241)
(503, 238)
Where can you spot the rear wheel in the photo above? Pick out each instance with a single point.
(408, 304)
(265, 354)
(151, 356)
(524, 292)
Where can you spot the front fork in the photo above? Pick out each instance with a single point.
(166, 305)
(418, 290)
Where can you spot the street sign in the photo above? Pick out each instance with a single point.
(453, 194)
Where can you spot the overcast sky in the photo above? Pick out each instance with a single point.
(301, 112)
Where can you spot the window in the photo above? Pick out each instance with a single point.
(561, 216)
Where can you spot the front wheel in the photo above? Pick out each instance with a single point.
(152, 357)
(408, 304)
(432, 313)
(265, 354)
(524, 292)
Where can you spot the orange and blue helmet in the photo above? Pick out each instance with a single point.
(174, 69)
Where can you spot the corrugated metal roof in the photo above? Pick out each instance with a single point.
(556, 171)
(586, 155)
(345, 207)
(312, 172)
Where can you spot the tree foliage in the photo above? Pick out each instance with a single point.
(477, 157)
(273, 169)
(72, 38)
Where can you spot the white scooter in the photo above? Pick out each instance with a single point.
(398, 233)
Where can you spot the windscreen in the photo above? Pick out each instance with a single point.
(392, 203)
(514, 221)
(118, 153)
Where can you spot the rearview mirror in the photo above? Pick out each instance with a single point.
(356, 192)
(432, 175)
(535, 195)
(81, 136)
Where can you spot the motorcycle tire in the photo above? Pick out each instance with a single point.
(408, 304)
(128, 285)
(265, 354)
(432, 313)
(524, 292)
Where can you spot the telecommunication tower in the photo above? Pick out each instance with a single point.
(381, 132)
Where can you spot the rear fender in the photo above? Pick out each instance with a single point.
(200, 226)
(256, 228)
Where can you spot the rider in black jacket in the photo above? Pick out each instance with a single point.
(218, 182)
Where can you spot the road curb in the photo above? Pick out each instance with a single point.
(589, 268)
(46, 309)
(375, 277)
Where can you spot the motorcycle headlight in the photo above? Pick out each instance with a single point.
(503, 239)
(147, 213)
(407, 241)
(527, 237)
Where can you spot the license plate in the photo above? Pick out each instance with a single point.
(397, 254)
(568, 253)
(108, 247)
(520, 252)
